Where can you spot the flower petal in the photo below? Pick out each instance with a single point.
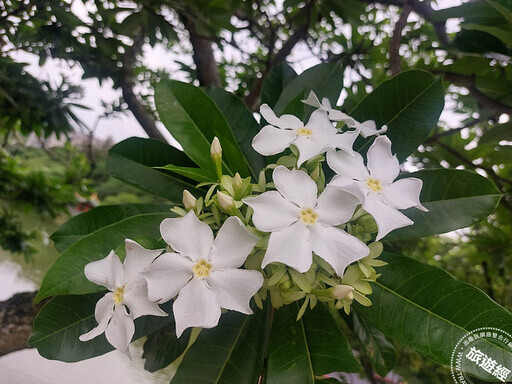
(285, 121)
(404, 193)
(295, 186)
(336, 115)
(271, 140)
(348, 185)
(103, 313)
(347, 165)
(196, 306)
(234, 288)
(120, 330)
(107, 272)
(188, 236)
(386, 217)
(290, 246)
(272, 212)
(369, 128)
(320, 123)
(310, 147)
(344, 141)
(136, 299)
(382, 164)
(137, 260)
(336, 206)
(167, 275)
(337, 247)
(232, 245)
(312, 100)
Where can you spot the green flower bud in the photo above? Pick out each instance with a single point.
(216, 155)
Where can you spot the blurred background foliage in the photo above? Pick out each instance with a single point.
(234, 44)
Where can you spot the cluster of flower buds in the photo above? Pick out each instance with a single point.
(292, 238)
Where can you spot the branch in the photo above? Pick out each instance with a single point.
(424, 9)
(394, 45)
(452, 131)
(252, 100)
(469, 82)
(206, 66)
(127, 83)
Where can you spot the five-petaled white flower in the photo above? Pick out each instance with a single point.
(301, 223)
(128, 290)
(379, 195)
(312, 139)
(203, 272)
(365, 129)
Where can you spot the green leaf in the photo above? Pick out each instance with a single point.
(163, 347)
(194, 128)
(302, 351)
(275, 81)
(428, 310)
(409, 104)
(133, 159)
(81, 225)
(454, 198)
(375, 345)
(243, 125)
(232, 352)
(502, 32)
(66, 275)
(64, 318)
(326, 80)
(197, 174)
(496, 133)
(479, 42)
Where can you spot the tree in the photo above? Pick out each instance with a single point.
(368, 40)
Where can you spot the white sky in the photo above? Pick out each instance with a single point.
(124, 126)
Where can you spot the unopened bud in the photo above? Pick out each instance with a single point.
(189, 201)
(226, 202)
(216, 149)
(237, 181)
(340, 291)
(216, 154)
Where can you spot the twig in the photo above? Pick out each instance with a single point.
(394, 45)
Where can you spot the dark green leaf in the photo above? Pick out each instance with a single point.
(302, 351)
(232, 352)
(133, 159)
(409, 104)
(194, 128)
(326, 80)
(197, 174)
(454, 198)
(428, 310)
(375, 345)
(479, 42)
(497, 133)
(275, 81)
(243, 125)
(66, 275)
(64, 318)
(81, 225)
(163, 347)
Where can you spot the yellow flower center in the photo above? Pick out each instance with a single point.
(304, 131)
(202, 269)
(308, 216)
(119, 295)
(374, 184)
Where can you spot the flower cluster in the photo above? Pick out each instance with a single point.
(294, 238)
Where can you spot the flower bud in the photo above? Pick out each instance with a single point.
(226, 202)
(216, 155)
(216, 149)
(189, 201)
(368, 223)
(237, 181)
(341, 291)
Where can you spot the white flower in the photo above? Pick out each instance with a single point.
(203, 272)
(302, 224)
(312, 139)
(128, 290)
(380, 196)
(366, 128)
